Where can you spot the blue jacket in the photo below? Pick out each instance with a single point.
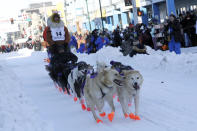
(73, 42)
(81, 48)
(100, 42)
(90, 47)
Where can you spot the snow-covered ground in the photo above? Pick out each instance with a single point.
(30, 102)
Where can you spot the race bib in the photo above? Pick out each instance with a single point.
(58, 34)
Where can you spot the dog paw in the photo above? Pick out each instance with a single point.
(88, 109)
(82, 101)
(60, 89)
(99, 121)
(47, 60)
(102, 114)
(118, 100)
(75, 99)
(83, 107)
(111, 116)
(132, 116)
(137, 118)
(126, 115)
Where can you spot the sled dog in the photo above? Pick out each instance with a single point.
(99, 89)
(77, 78)
(130, 89)
(100, 66)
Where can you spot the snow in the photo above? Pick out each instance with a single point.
(30, 102)
(17, 113)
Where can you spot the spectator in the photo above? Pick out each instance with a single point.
(188, 28)
(117, 41)
(175, 34)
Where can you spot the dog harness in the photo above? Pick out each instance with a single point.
(120, 67)
(103, 94)
(118, 82)
(83, 84)
(71, 75)
(92, 76)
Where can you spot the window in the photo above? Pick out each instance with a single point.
(127, 2)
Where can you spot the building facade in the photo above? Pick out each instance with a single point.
(86, 14)
(160, 9)
(119, 13)
(34, 18)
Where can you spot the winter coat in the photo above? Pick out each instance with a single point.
(82, 48)
(188, 24)
(117, 41)
(196, 27)
(56, 30)
(92, 46)
(175, 30)
(100, 42)
(64, 58)
(146, 38)
(73, 42)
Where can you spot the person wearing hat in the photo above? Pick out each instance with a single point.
(101, 41)
(57, 34)
(176, 38)
(62, 60)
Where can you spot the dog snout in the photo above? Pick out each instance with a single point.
(86, 71)
(136, 86)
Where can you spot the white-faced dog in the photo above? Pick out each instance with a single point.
(100, 66)
(101, 88)
(76, 81)
(130, 88)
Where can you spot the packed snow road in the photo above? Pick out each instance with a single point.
(30, 102)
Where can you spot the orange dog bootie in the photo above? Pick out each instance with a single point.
(111, 116)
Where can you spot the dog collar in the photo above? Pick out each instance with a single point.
(92, 76)
(103, 94)
(106, 85)
(117, 82)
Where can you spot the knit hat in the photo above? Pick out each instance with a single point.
(53, 17)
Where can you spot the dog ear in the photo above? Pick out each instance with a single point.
(134, 71)
(112, 67)
(124, 72)
(105, 70)
(90, 66)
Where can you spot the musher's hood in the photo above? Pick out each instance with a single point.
(52, 24)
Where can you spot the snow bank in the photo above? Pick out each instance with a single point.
(157, 60)
(167, 100)
(16, 111)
